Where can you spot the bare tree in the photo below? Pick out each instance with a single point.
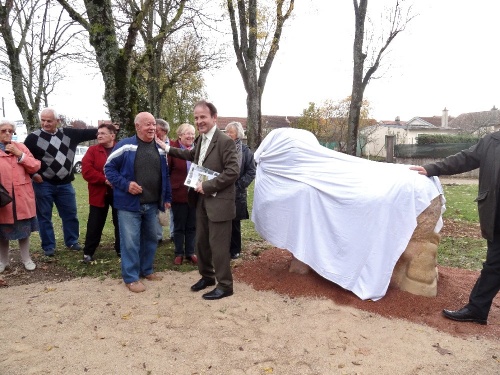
(114, 53)
(246, 34)
(398, 18)
(36, 37)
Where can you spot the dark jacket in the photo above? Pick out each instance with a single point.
(485, 155)
(247, 175)
(220, 157)
(178, 174)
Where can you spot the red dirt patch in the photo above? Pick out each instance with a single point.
(270, 272)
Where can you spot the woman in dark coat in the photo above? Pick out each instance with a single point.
(247, 174)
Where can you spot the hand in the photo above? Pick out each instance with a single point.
(199, 188)
(37, 178)
(134, 188)
(419, 169)
(167, 205)
(108, 183)
(160, 143)
(13, 150)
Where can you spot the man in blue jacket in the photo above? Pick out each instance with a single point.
(137, 169)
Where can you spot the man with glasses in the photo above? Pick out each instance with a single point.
(137, 170)
(55, 148)
(100, 191)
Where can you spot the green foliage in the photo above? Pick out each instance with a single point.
(426, 139)
(310, 119)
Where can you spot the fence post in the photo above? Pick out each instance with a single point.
(389, 148)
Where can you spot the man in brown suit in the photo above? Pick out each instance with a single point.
(214, 200)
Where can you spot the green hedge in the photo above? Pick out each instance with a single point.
(428, 139)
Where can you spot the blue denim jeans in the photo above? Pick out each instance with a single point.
(63, 196)
(138, 241)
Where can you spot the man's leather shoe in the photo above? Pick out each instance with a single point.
(463, 315)
(202, 284)
(217, 294)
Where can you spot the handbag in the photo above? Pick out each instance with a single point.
(164, 217)
(5, 198)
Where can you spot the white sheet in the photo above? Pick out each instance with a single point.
(348, 218)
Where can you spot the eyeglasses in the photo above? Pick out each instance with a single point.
(3, 131)
(99, 133)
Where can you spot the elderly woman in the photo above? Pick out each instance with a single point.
(184, 215)
(247, 174)
(100, 191)
(18, 218)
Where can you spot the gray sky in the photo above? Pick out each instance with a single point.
(447, 57)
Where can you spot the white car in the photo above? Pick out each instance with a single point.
(77, 163)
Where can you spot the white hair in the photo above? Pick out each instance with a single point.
(238, 127)
(54, 112)
(5, 121)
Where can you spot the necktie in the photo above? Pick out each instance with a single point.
(203, 151)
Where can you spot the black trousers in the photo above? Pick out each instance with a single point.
(235, 237)
(95, 225)
(488, 283)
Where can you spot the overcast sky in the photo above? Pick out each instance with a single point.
(447, 57)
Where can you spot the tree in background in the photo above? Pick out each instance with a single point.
(175, 53)
(130, 40)
(37, 40)
(397, 18)
(329, 122)
(255, 50)
(114, 53)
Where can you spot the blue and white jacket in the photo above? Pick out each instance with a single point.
(119, 170)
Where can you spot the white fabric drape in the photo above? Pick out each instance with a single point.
(348, 218)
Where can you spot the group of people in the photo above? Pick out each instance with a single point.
(143, 174)
(137, 177)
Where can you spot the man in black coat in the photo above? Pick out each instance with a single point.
(485, 155)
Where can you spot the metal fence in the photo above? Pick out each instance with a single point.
(435, 150)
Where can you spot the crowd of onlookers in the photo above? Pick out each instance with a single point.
(142, 180)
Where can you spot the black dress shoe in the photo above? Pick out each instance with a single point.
(463, 315)
(217, 294)
(202, 284)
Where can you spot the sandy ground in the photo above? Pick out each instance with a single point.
(88, 326)
(91, 326)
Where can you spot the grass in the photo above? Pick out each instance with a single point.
(106, 263)
(465, 253)
(460, 204)
(461, 252)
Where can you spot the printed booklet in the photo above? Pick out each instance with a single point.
(198, 174)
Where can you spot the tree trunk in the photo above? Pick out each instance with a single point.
(357, 79)
(114, 62)
(245, 46)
